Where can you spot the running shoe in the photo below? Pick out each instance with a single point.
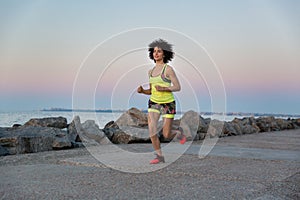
(181, 137)
(158, 159)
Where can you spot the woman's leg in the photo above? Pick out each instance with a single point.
(153, 118)
(167, 128)
(170, 134)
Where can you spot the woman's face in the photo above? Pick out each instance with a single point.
(158, 54)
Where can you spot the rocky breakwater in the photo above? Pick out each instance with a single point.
(132, 127)
(55, 133)
(46, 134)
(36, 135)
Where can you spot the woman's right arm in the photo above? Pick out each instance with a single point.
(144, 91)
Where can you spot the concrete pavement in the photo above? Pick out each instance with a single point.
(256, 166)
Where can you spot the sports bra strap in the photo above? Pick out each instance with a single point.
(164, 69)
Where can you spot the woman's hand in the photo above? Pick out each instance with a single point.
(140, 89)
(162, 89)
(159, 88)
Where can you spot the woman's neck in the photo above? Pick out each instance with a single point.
(159, 63)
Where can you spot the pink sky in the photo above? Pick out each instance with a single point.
(255, 46)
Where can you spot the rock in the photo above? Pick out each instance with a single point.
(131, 127)
(32, 139)
(203, 125)
(190, 124)
(238, 121)
(109, 129)
(137, 135)
(249, 129)
(56, 122)
(296, 123)
(16, 125)
(215, 129)
(127, 135)
(8, 140)
(120, 137)
(207, 120)
(256, 127)
(247, 121)
(91, 130)
(111, 124)
(26, 140)
(47, 133)
(238, 128)
(201, 136)
(61, 142)
(202, 128)
(133, 117)
(3, 151)
(88, 132)
(267, 124)
(72, 131)
(284, 124)
(109, 132)
(229, 129)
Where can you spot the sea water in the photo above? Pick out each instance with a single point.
(7, 119)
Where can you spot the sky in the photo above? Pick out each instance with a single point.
(230, 56)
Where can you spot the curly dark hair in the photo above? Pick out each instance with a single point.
(165, 46)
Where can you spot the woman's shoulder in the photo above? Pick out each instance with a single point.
(169, 68)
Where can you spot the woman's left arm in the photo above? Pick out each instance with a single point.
(175, 87)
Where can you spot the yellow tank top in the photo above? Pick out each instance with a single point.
(163, 81)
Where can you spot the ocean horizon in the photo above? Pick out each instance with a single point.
(103, 116)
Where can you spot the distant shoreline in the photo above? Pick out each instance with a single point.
(201, 113)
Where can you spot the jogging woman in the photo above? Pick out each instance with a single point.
(162, 83)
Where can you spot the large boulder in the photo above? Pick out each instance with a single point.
(238, 126)
(133, 117)
(32, 139)
(215, 129)
(3, 151)
(230, 129)
(203, 125)
(56, 122)
(72, 130)
(126, 134)
(190, 123)
(130, 127)
(92, 131)
(109, 129)
(88, 132)
(111, 124)
(202, 128)
(136, 135)
(120, 137)
(61, 141)
(246, 121)
(249, 129)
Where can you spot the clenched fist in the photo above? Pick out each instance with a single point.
(140, 89)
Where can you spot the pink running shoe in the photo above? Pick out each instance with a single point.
(181, 137)
(158, 159)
